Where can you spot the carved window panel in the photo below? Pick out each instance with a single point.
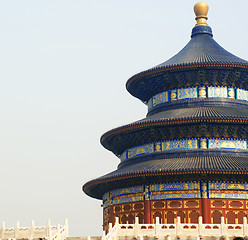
(158, 205)
(106, 222)
(127, 207)
(105, 217)
(130, 218)
(127, 218)
(117, 209)
(158, 214)
(194, 216)
(216, 216)
(191, 204)
(106, 212)
(140, 215)
(138, 206)
(117, 215)
(182, 215)
(175, 204)
(106, 225)
(240, 216)
(169, 216)
(236, 204)
(124, 218)
(218, 203)
(230, 217)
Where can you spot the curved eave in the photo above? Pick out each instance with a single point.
(214, 164)
(156, 123)
(94, 188)
(157, 71)
(190, 66)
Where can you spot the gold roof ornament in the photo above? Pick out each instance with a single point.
(201, 11)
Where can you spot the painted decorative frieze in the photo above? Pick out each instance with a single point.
(198, 92)
(175, 186)
(174, 190)
(217, 92)
(181, 144)
(140, 150)
(228, 186)
(242, 94)
(186, 93)
(228, 190)
(175, 196)
(228, 144)
(177, 190)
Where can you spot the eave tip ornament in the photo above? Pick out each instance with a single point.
(201, 11)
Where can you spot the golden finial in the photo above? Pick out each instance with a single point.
(201, 11)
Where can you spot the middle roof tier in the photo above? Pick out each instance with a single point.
(191, 122)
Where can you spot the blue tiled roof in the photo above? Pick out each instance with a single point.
(199, 112)
(183, 164)
(220, 164)
(202, 49)
(190, 113)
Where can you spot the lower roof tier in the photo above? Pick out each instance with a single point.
(206, 166)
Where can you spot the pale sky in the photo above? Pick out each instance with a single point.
(64, 65)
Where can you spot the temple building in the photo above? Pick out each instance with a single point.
(188, 158)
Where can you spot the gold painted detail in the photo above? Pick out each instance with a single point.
(198, 92)
(228, 194)
(179, 144)
(203, 143)
(204, 190)
(201, 11)
(172, 192)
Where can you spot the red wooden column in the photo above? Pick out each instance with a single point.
(205, 203)
(147, 204)
(147, 212)
(111, 215)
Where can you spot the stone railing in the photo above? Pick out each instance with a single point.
(48, 232)
(177, 230)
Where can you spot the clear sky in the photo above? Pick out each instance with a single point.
(63, 69)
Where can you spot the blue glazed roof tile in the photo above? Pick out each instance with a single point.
(202, 49)
(200, 112)
(184, 164)
(191, 113)
(206, 164)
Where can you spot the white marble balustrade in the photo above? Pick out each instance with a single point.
(48, 232)
(177, 231)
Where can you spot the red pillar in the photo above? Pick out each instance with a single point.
(111, 215)
(147, 213)
(206, 210)
(205, 203)
(147, 204)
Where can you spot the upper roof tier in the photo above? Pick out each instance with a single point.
(202, 50)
